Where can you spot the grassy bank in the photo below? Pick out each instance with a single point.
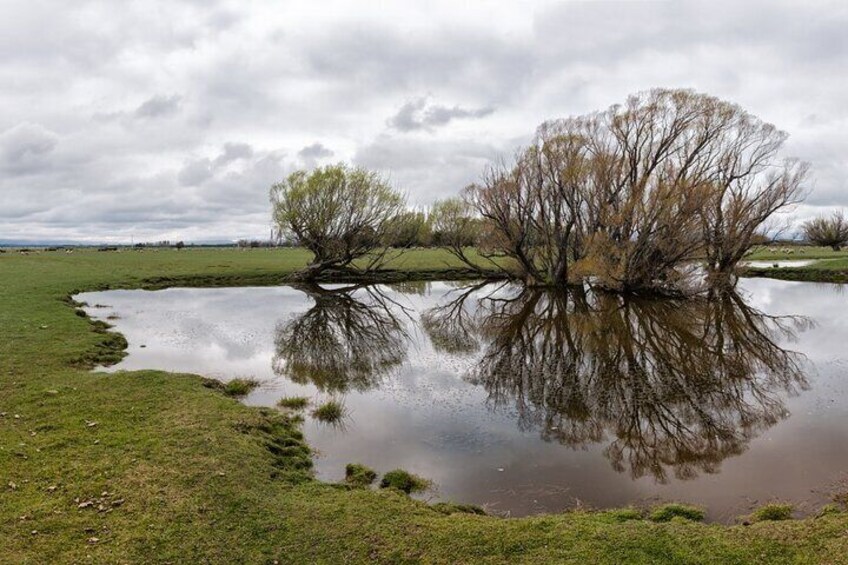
(152, 467)
(828, 266)
(794, 252)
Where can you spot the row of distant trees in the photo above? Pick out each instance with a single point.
(629, 198)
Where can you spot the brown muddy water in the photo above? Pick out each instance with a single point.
(528, 402)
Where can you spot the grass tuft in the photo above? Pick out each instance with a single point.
(451, 508)
(359, 475)
(240, 387)
(404, 481)
(330, 412)
(829, 509)
(623, 514)
(293, 402)
(666, 512)
(772, 513)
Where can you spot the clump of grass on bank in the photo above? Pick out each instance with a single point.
(359, 475)
(841, 500)
(772, 513)
(624, 514)
(293, 402)
(330, 412)
(404, 481)
(829, 509)
(239, 387)
(665, 512)
(452, 508)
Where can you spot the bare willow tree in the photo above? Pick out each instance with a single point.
(532, 211)
(829, 231)
(641, 211)
(749, 183)
(631, 197)
(341, 215)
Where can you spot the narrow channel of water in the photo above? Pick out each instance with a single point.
(528, 402)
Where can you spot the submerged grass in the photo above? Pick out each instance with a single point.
(293, 402)
(155, 467)
(330, 412)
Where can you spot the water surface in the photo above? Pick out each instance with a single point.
(528, 402)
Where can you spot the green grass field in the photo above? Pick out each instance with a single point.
(152, 467)
(794, 253)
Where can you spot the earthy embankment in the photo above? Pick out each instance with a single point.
(804, 274)
(153, 467)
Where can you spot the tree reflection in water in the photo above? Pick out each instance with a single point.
(676, 385)
(348, 340)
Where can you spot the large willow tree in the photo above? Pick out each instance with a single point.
(632, 196)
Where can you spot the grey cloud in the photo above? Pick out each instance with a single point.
(418, 114)
(470, 60)
(195, 172)
(24, 147)
(233, 152)
(158, 106)
(426, 169)
(315, 151)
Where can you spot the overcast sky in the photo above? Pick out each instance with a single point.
(170, 120)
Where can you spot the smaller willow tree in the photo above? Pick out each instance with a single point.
(829, 231)
(340, 214)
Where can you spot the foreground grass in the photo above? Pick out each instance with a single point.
(152, 467)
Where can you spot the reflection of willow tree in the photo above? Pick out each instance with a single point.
(348, 339)
(453, 325)
(680, 385)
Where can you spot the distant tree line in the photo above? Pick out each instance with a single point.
(630, 199)
(162, 243)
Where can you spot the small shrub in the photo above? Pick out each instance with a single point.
(240, 387)
(404, 481)
(359, 475)
(666, 512)
(293, 402)
(772, 512)
(331, 412)
(451, 508)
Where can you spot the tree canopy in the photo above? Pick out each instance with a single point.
(632, 196)
(340, 214)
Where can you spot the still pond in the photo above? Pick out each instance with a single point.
(526, 401)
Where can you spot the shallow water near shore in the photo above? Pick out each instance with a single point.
(527, 402)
